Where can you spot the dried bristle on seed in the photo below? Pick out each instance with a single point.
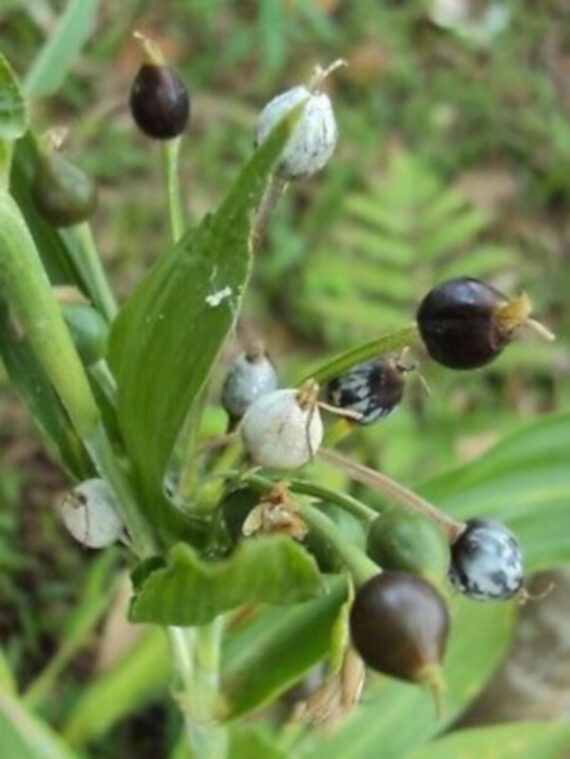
(515, 313)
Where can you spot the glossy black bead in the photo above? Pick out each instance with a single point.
(372, 389)
(458, 323)
(160, 103)
(399, 625)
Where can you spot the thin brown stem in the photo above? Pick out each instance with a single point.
(389, 487)
(275, 188)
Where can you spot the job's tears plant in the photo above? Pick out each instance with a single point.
(217, 547)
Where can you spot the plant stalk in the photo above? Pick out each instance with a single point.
(357, 562)
(170, 162)
(352, 505)
(197, 655)
(276, 186)
(89, 264)
(26, 288)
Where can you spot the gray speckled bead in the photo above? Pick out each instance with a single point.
(249, 377)
(313, 142)
(487, 561)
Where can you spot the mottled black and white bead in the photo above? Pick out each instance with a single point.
(486, 561)
(372, 389)
(251, 375)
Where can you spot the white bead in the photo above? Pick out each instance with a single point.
(278, 433)
(314, 139)
(247, 380)
(90, 515)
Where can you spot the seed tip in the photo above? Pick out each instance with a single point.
(150, 48)
(432, 678)
(320, 74)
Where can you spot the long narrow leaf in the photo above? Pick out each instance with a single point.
(61, 48)
(168, 335)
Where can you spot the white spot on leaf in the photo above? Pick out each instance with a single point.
(214, 299)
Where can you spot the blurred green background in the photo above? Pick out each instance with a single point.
(454, 158)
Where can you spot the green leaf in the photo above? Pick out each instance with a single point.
(480, 637)
(189, 591)
(524, 481)
(265, 657)
(36, 391)
(13, 113)
(54, 245)
(7, 679)
(24, 736)
(168, 335)
(61, 47)
(521, 740)
(250, 742)
(378, 347)
(245, 742)
(134, 681)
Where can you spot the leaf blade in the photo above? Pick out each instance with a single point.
(187, 591)
(60, 48)
(167, 337)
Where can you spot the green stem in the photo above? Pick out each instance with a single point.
(6, 153)
(182, 641)
(189, 472)
(103, 455)
(377, 347)
(347, 502)
(89, 264)
(170, 155)
(102, 374)
(212, 491)
(360, 566)
(26, 288)
(197, 652)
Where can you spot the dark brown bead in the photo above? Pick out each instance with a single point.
(399, 625)
(458, 323)
(159, 101)
(62, 192)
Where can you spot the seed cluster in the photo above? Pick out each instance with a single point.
(399, 621)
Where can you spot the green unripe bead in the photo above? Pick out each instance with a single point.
(89, 331)
(410, 542)
(62, 192)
